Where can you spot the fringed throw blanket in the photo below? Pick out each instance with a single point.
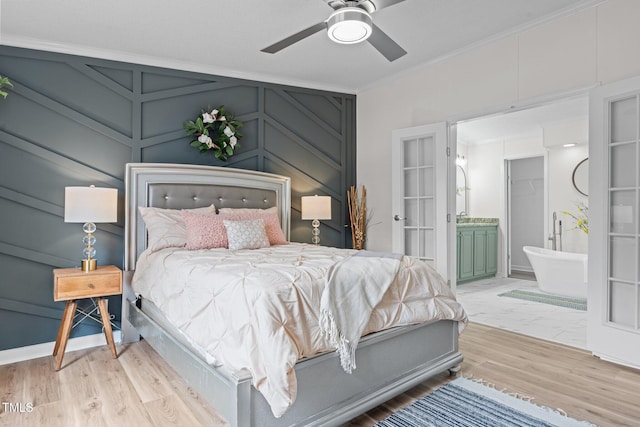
(353, 290)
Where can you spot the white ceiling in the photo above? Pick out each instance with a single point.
(225, 37)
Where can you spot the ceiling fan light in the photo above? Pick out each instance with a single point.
(349, 25)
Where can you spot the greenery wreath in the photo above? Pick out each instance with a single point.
(4, 81)
(215, 129)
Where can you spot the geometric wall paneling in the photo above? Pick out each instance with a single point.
(327, 109)
(46, 123)
(163, 115)
(122, 76)
(283, 109)
(303, 156)
(155, 81)
(332, 232)
(74, 120)
(98, 102)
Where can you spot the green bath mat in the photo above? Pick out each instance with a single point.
(560, 301)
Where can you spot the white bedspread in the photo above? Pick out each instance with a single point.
(259, 309)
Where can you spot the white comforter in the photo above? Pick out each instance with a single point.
(259, 309)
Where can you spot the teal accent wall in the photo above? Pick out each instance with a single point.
(73, 120)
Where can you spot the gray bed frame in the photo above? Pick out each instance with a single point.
(388, 362)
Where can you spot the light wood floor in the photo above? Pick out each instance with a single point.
(139, 389)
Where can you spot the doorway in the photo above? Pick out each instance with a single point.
(525, 212)
(518, 167)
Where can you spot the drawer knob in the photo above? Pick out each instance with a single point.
(90, 285)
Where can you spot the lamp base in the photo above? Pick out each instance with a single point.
(89, 264)
(315, 232)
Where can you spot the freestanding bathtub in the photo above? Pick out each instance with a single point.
(560, 273)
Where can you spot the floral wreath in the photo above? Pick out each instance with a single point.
(216, 130)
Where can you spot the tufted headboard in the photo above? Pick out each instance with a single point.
(175, 186)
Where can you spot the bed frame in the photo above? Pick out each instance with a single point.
(388, 362)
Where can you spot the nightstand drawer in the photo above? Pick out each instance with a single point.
(75, 284)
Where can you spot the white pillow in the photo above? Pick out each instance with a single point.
(249, 234)
(166, 228)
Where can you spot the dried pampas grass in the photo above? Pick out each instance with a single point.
(357, 215)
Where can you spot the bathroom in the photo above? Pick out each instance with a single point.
(523, 168)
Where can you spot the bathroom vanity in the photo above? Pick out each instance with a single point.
(477, 248)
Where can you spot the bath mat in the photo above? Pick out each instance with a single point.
(466, 403)
(561, 301)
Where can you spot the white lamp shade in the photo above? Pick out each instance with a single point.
(90, 204)
(316, 207)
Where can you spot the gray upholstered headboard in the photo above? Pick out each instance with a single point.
(174, 186)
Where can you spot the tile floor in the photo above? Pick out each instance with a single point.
(558, 324)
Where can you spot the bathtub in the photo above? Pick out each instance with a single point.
(560, 273)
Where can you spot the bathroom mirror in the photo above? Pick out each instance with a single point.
(461, 191)
(580, 177)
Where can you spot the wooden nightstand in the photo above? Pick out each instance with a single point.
(71, 284)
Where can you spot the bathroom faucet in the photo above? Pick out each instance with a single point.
(553, 233)
(556, 238)
(461, 214)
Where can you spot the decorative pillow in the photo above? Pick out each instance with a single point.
(249, 234)
(166, 228)
(234, 211)
(270, 217)
(204, 231)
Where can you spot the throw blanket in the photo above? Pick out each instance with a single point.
(354, 287)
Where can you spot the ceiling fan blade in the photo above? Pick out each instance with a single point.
(276, 47)
(385, 45)
(381, 4)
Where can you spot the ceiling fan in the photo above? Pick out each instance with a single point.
(350, 23)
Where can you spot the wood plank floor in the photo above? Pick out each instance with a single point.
(140, 389)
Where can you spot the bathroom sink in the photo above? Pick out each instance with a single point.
(471, 221)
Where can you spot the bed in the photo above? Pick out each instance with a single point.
(326, 395)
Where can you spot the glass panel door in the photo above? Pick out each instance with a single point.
(419, 194)
(613, 330)
(419, 198)
(623, 285)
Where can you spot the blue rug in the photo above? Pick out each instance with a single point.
(559, 300)
(466, 403)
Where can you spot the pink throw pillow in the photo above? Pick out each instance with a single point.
(205, 231)
(271, 224)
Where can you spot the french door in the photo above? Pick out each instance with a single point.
(614, 223)
(419, 200)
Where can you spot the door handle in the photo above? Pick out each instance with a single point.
(399, 218)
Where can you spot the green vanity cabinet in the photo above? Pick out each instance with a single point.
(477, 251)
(465, 254)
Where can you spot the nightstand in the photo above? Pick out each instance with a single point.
(72, 284)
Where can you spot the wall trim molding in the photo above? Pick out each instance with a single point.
(35, 351)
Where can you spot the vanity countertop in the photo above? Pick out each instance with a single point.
(475, 222)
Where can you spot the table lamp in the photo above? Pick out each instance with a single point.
(90, 205)
(316, 208)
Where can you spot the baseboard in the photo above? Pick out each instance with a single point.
(616, 361)
(46, 349)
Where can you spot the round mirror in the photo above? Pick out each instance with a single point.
(580, 177)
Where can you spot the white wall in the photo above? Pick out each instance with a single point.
(596, 45)
(562, 196)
